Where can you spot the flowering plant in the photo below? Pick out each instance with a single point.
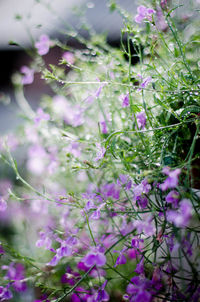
(106, 205)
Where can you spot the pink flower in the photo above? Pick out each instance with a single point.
(43, 45)
(69, 57)
(28, 75)
(144, 13)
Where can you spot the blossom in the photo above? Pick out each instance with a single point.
(69, 57)
(65, 250)
(172, 197)
(95, 257)
(138, 290)
(16, 273)
(98, 91)
(125, 100)
(145, 82)
(140, 267)
(70, 276)
(104, 128)
(145, 226)
(43, 45)
(181, 218)
(37, 157)
(97, 214)
(110, 190)
(139, 190)
(44, 240)
(102, 294)
(121, 259)
(28, 75)
(100, 152)
(144, 13)
(141, 120)
(172, 180)
(124, 180)
(41, 116)
(5, 293)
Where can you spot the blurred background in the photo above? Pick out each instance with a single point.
(22, 22)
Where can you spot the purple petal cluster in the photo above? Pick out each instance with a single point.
(28, 75)
(144, 13)
(43, 45)
(172, 178)
(95, 257)
(182, 216)
(141, 120)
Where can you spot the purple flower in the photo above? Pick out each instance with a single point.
(70, 276)
(44, 240)
(143, 188)
(145, 226)
(28, 75)
(137, 243)
(163, 3)
(110, 190)
(41, 116)
(74, 149)
(98, 91)
(145, 82)
(104, 128)
(160, 20)
(3, 204)
(144, 13)
(5, 293)
(102, 294)
(100, 152)
(97, 214)
(43, 45)
(124, 180)
(16, 273)
(172, 180)
(125, 100)
(95, 257)
(141, 120)
(140, 267)
(138, 290)
(187, 245)
(121, 259)
(65, 249)
(181, 218)
(69, 57)
(172, 197)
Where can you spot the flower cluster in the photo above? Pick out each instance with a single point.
(102, 200)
